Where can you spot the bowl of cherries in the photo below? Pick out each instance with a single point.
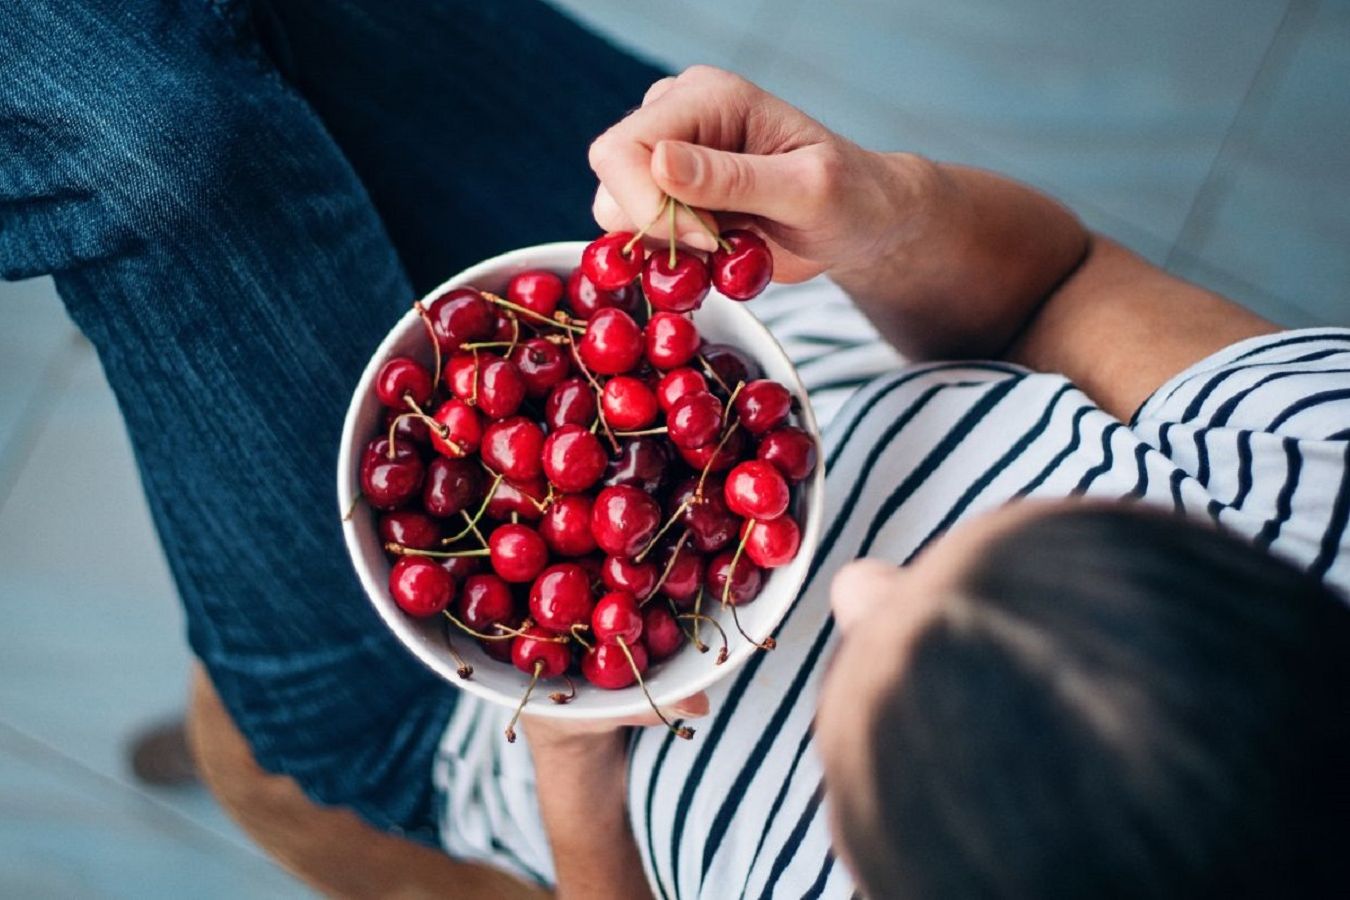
(583, 479)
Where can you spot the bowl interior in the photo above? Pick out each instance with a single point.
(719, 320)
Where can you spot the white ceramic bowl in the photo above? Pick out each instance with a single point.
(719, 320)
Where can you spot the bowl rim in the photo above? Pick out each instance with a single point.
(402, 626)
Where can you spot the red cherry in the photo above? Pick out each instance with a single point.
(607, 667)
(401, 377)
(661, 634)
(791, 450)
(772, 542)
(730, 364)
(616, 616)
(628, 403)
(715, 460)
(571, 402)
(566, 526)
(452, 485)
(561, 597)
(504, 328)
(679, 288)
(585, 299)
(536, 290)
(420, 587)
(623, 520)
(461, 316)
(746, 269)
(388, 483)
(684, 576)
(464, 429)
(641, 462)
(501, 388)
(410, 529)
(542, 365)
(461, 567)
(607, 265)
(619, 573)
(746, 580)
(763, 405)
(678, 383)
(501, 650)
(695, 420)
(484, 601)
(409, 429)
(461, 370)
(573, 459)
(612, 343)
(522, 499)
(671, 340)
(756, 490)
(711, 525)
(518, 553)
(536, 646)
(513, 447)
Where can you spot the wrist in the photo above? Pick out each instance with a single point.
(905, 196)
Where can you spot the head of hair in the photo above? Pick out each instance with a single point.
(1114, 702)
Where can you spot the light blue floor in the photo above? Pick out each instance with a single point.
(1210, 135)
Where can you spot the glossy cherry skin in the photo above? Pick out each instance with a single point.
(501, 388)
(715, 460)
(790, 450)
(746, 580)
(566, 526)
(571, 402)
(573, 459)
(412, 429)
(607, 265)
(461, 371)
(671, 340)
(542, 365)
(620, 573)
(606, 666)
(561, 597)
(711, 525)
(461, 567)
(514, 447)
(641, 462)
(695, 420)
(518, 553)
(661, 634)
(401, 377)
(628, 403)
(537, 290)
(616, 616)
(623, 520)
(464, 429)
(410, 529)
(746, 269)
(612, 343)
(685, 575)
(388, 483)
(678, 383)
(461, 316)
(451, 485)
(521, 498)
(763, 405)
(730, 364)
(757, 490)
(484, 601)
(504, 327)
(679, 288)
(538, 645)
(501, 650)
(771, 542)
(420, 587)
(585, 299)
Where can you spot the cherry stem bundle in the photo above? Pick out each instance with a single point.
(715, 235)
(660, 211)
(699, 617)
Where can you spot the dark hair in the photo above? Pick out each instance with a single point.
(1118, 702)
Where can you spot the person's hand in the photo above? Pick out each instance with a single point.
(717, 142)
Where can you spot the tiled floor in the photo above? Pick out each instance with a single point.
(1209, 135)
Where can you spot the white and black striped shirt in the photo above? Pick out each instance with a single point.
(1256, 436)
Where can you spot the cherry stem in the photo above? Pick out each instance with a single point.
(735, 558)
(675, 613)
(698, 617)
(578, 638)
(531, 314)
(351, 510)
(717, 451)
(682, 731)
(559, 697)
(431, 333)
(712, 373)
(642, 433)
(472, 525)
(477, 377)
(671, 206)
(660, 211)
(534, 679)
(504, 632)
(599, 391)
(726, 410)
(400, 550)
(666, 526)
(767, 644)
(482, 508)
(515, 333)
(465, 670)
(670, 563)
(721, 241)
(485, 345)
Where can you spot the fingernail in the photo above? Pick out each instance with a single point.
(699, 240)
(681, 712)
(682, 164)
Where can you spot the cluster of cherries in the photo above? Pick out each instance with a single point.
(584, 472)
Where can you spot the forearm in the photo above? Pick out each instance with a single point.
(974, 258)
(582, 786)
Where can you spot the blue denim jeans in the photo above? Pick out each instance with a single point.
(236, 201)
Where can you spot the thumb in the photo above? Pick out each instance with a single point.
(727, 182)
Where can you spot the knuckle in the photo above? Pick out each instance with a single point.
(824, 173)
(657, 88)
(601, 150)
(702, 73)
